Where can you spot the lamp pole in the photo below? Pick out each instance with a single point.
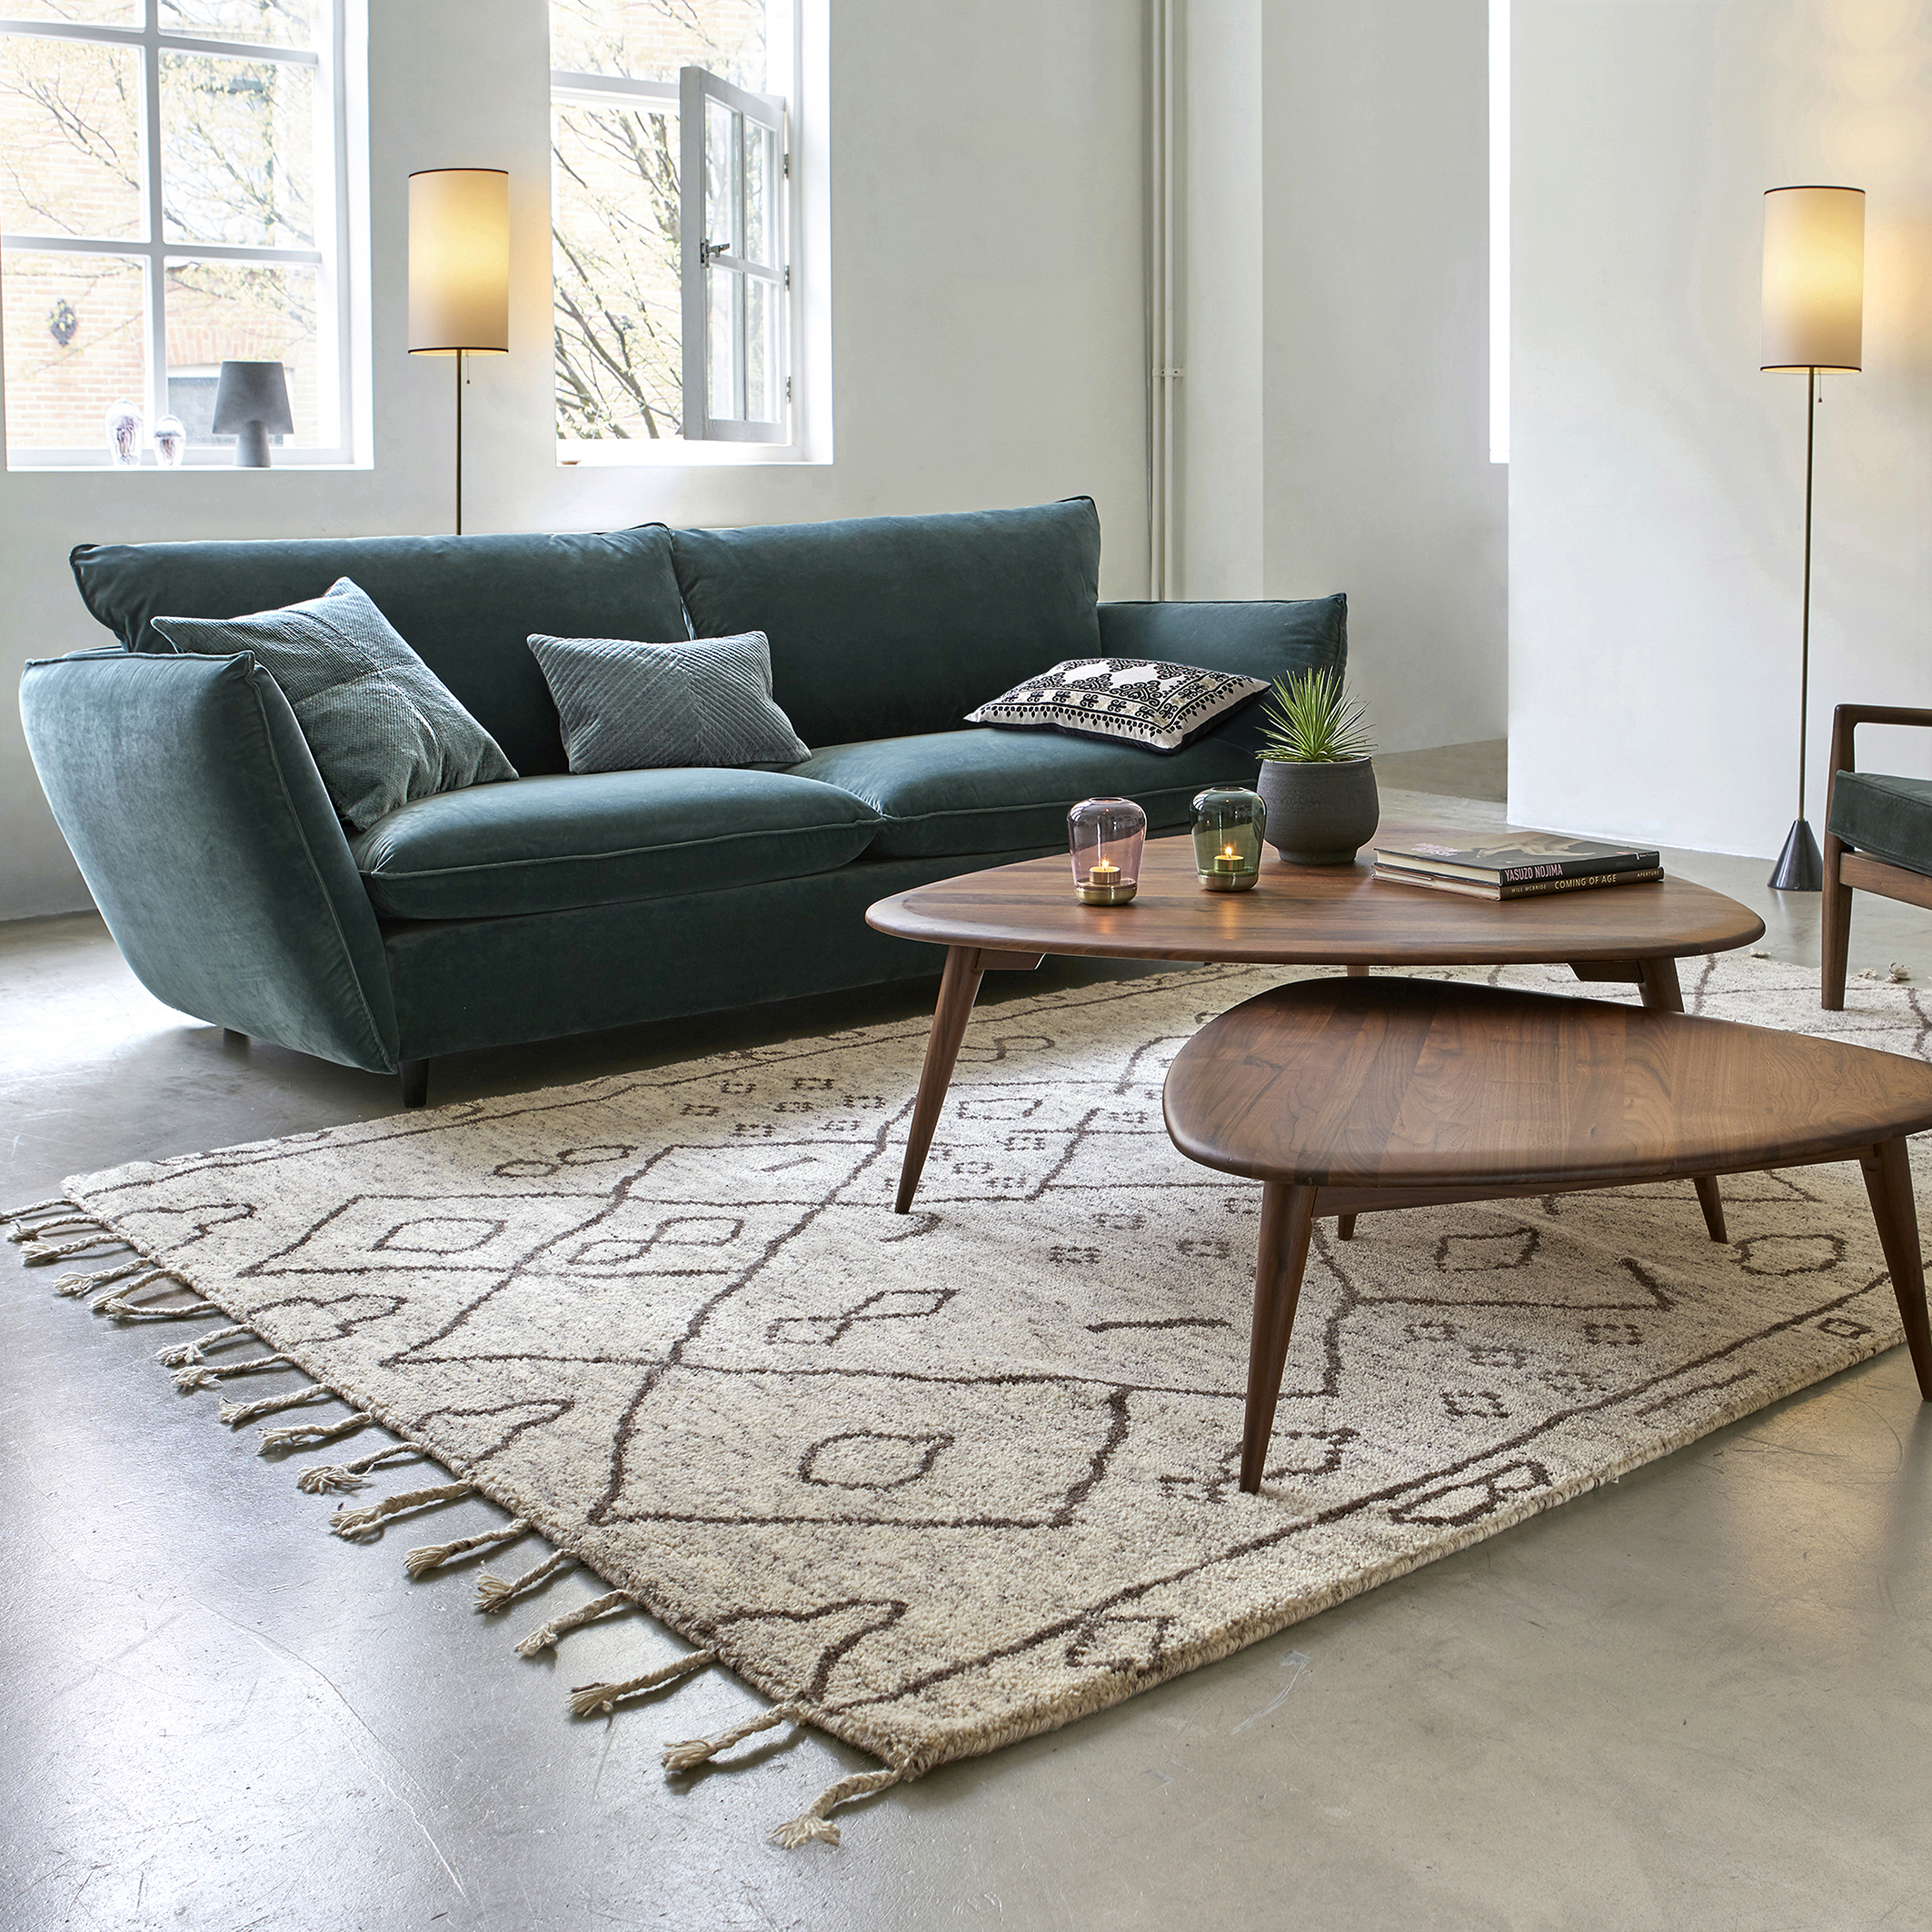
(1799, 868)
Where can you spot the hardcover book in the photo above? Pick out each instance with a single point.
(1518, 858)
(1522, 889)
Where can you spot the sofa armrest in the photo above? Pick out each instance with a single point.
(198, 819)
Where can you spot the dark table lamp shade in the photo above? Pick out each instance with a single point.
(251, 404)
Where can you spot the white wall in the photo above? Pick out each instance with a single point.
(987, 325)
(1335, 399)
(1657, 477)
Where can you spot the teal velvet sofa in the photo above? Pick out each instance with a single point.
(562, 904)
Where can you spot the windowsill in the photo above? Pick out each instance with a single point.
(40, 462)
(673, 453)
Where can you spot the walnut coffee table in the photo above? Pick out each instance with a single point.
(1011, 916)
(1340, 1095)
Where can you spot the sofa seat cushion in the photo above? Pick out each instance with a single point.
(987, 791)
(1891, 818)
(547, 845)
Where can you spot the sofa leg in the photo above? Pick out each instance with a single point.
(1835, 945)
(415, 1082)
(230, 1038)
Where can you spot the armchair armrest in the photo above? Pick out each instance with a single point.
(198, 820)
(1846, 718)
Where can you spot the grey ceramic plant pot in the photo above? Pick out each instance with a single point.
(1320, 814)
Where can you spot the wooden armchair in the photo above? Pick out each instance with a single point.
(1878, 837)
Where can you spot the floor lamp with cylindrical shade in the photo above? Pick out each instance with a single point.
(1813, 321)
(459, 272)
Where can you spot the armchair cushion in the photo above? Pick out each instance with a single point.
(546, 845)
(1891, 818)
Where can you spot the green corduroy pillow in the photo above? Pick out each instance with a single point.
(382, 726)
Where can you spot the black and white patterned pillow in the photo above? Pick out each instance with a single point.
(1135, 700)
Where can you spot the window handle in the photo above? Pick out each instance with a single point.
(706, 250)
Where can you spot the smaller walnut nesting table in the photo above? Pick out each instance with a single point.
(1342, 1096)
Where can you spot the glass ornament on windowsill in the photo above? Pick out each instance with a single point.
(171, 443)
(124, 426)
(1104, 838)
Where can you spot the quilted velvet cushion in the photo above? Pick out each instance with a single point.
(553, 843)
(381, 727)
(952, 792)
(1130, 700)
(1891, 818)
(629, 707)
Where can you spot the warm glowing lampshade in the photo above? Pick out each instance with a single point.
(1813, 278)
(459, 261)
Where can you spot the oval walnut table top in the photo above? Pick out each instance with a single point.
(1311, 916)
(1408, 1083)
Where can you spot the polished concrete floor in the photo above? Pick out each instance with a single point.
(1701, 1698)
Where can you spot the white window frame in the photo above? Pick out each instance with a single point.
(696, 223)
(715, 439)
(331, 227)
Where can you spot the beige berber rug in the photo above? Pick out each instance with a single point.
(939, 1482)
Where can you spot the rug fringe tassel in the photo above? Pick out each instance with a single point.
(326, 1478)
(587, 1700)
(197, 1374)
(363, 1525)
(543, 1638)
(431, 1556)
(686, 1754)
(34, 1253)
(812, 1824)
(184, 1354)
(313, 1435)
(14, 1216)
(70, 1221)
(235, 1414)
(118, 1304)
(87, 1284)
(497, 1593)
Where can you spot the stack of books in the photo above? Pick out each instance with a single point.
(1529, 865)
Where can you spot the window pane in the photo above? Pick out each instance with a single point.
(272, 22)
(76, 341)
(720, 285)
(760, 194)
(255, 312)
(70, 120)
(617, 311)
(237, 151)
(77, 12)
(720, 176)
(761, 351)
(650, 40)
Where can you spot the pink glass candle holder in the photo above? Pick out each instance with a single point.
(1105, 837)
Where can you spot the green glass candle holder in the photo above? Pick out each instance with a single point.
(1229, 823)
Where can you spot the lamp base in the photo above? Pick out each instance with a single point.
(1798, 869)
(251, 446)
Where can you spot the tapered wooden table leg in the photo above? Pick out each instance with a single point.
(1662, 992)
(958, 987)
(1345, 1225)
(1888, 1182)
(1288, 1218)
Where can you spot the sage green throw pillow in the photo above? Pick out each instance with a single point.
(632, 707)
(381, 727)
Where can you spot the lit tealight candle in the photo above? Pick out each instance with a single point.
(1229, 860)
(1104, 874)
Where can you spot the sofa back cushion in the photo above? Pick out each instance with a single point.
(466, 605)
(884, 626)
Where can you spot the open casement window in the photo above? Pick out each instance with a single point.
(732, 176)
(173, 193)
